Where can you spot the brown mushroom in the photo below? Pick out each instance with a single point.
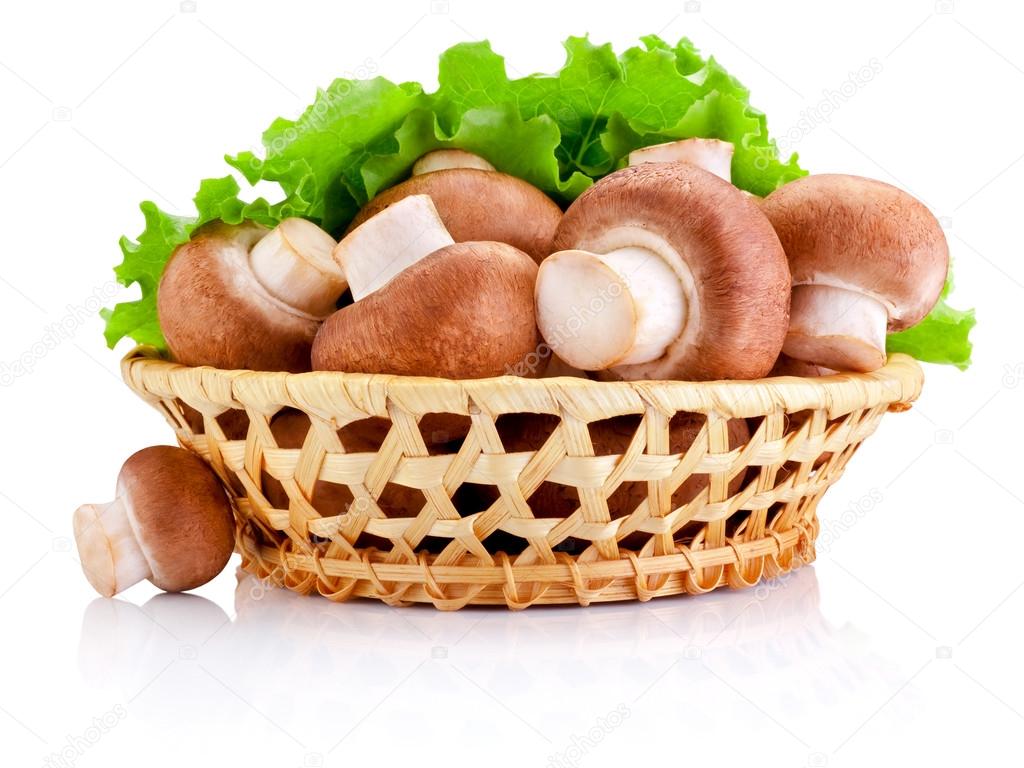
(243, 297)
(866, 258)
(170, 523)
(712, 155)
(477, 204)
(664, 271)
(461, 311)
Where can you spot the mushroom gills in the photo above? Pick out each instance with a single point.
(618, 308)
(389, 242)
(111, 556)
(712, 155)
(836, 328)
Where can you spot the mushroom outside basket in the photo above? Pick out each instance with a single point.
(802, 432)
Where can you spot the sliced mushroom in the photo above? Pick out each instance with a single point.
(477, 204)
(242, 297)
(712, 155)
(664, 271)
(171, 523)
(866, 258)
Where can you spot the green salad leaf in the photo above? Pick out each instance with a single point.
(559, 131)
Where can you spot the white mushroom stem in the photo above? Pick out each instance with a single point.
(618, 308)
(836, 328)
(445, 159)
(111, 556)
(710, 154)
(293, 262)
(385, 244)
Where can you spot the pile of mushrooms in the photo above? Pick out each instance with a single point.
(661, 270)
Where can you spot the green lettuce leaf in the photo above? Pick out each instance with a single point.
(559, 131)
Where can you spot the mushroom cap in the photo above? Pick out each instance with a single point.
(865, 235)
(180, 515)
(739, 310)
(463, 312)
(480, 205)
(213, 310)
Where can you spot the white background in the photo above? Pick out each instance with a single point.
(901, 644)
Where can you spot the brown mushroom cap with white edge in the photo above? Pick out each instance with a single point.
(170, 523)
(665, 271)
(464, 311)
(479, 205)
(866, 258)
(247, 297)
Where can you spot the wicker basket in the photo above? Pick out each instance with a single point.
(802, 433)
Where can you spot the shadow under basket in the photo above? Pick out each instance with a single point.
(312, 516)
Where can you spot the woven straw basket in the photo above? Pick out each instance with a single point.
(802, 433)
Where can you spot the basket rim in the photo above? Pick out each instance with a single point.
(362, 395)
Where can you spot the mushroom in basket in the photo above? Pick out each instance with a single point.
(243, 297)
(425, 305)
(866, 258)
(476, 202)
(664, 271)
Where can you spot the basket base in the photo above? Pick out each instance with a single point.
(518, 584)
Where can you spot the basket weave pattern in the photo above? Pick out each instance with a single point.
(802, 433)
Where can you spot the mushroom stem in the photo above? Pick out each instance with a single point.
(293, 262)
(445, 159)
(836, 328)
(385, 244)
(618, 308)
(111, 556)
(712, 155)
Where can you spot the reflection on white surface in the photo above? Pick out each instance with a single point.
(322, 677)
